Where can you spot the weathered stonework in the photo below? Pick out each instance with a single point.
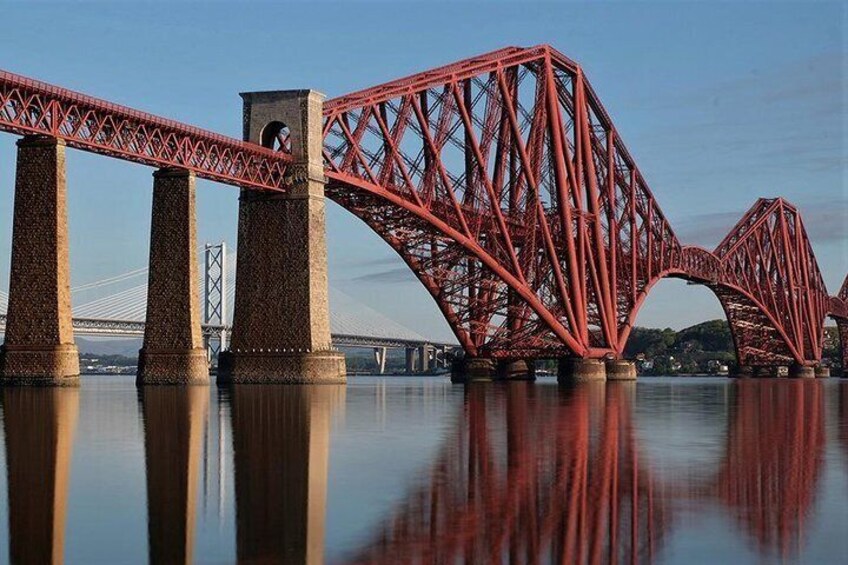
(281, 322)
(742, 372)
(285, 368)
(842, 326)
(801, 372)
(576, 369)
(173, 351)
(516, 370)
(473, 369)
(620, 370)
(39, 347)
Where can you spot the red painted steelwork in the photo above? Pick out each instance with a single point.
(504, 185)
(771, 288)
(30, 107)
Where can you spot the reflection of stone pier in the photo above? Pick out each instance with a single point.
(173, 437)
(39, 427)
(281, 448)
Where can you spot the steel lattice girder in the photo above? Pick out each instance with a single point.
(772, 289)
(29, 107)
(534, 230)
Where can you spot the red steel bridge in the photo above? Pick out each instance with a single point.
(503, 184)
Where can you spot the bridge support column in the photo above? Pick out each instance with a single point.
(516, 370)
(822, 372)
(281, 322)
(797, 371)
(576, 369)
(173, 350)
(472, 369)
(743, 371)
(620, 370)
(768, 372)
(842, 326)
(424, 356)
(380, 358)
(39, 347)
(411, 356)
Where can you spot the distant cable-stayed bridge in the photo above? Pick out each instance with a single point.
(116, 306)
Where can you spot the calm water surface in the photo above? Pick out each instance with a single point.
(390, 470)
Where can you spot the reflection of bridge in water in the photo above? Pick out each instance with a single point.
(569, 484)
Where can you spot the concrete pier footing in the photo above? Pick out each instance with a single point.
(39, 342)
(281, 322)
(173, 351)
(576, 369)
(620, 370)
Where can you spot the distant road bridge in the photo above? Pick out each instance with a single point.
(119, 310)
(421, 355)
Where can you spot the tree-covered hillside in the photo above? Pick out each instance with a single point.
(701, 348)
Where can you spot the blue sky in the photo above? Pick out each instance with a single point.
(719, 103)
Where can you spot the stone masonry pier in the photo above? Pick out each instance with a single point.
(173, 351)
(39, 347)
(281, 322)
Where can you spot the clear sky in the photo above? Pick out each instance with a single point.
(719, 103)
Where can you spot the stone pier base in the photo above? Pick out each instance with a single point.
(621, 370)
(769, 372)
(281, 319)
(53, 365)
(39, 342)
(742, 372)
(179, 367)
(473, 369)
(319, 367)
(173, 351)
(822, 372)
(516, 370)
(575, 369)
(801, 372)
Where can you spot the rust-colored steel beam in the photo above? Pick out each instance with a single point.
(31, 107)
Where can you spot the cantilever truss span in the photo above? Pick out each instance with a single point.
(503, 184)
